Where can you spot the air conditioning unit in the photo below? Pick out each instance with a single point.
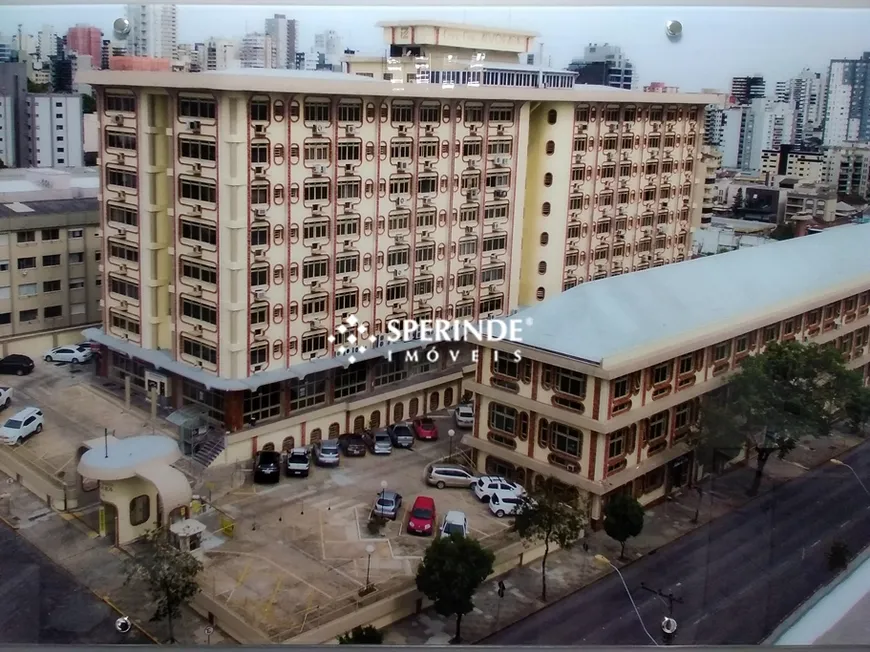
(501, 161)
(259, 256)
(401, 201)
(258, 367)
(473, 193)
(259, 171)
(120, 158)
(197, 209)
(194, 126)
(259, 295)
(578, 157)
(260, 130)
(124, 305)
(197, 330)
(197, 251)
(123, 269)
(472, 164)
(197, 291)
(348, 169)
(403, 130)
(501, 193)
(427, 201)
(122, 196)
(122, 233)
(350, 130)
(401, 166)
(427, 166)
(259, 214)
(259, 331)
(571, 468)
(500, 130)
(318, 170)
(118, 120)
(197, 168)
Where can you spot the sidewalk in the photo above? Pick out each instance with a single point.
(571, 570)
(67, 541)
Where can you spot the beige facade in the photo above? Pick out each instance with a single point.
(809, 166)
(712, 159)
(813, 199)
(247, 216)
(603, 405)
(49, 265)
(847, 168)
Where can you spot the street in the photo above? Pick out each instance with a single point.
(738, 577)
(43, 604)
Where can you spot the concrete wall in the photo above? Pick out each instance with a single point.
(36, 344)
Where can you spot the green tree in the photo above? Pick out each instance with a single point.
(360, 635)
(838, 556)
(451, 571)
(623, 519)
(787, 392)
(89, 103)
(857, 409)
(784, 231)
(737, 204)
(546, 519)
(169, 576)
(33, 87)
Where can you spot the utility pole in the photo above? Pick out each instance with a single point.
(669, 625)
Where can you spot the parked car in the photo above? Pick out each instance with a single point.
(298, 463)
(76, 354)
(463, 416)
(25, 423)
(402, 435)
(352, 445)
(449, 475)
(425, 429)
(326, 453)
(421, 520)
(5, 397)
(504, 504)
(379, 442)
(488, 485)
(267, 467)
(455, 522)
(17, 364)
(387, 505)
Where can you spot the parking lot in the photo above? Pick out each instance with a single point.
(74, 412)
(298, 555)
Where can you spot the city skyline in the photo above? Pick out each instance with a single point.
(777, 38)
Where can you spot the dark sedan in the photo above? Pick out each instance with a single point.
(267, 467)
(353, 445)
(17, 364)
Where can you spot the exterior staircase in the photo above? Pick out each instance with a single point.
(208, 450)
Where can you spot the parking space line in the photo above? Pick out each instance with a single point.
(268, 561)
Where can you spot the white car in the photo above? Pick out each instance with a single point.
(5, 397)
(75, 353)
(504, 504)
(25, 423)
(463, 416)
(488, 485)
(455, 522)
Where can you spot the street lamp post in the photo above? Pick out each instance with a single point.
(450, 435)
(384, 485)
(604, 561)
(855, 473)
(370, 550)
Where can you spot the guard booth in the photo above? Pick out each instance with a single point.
(193, 427)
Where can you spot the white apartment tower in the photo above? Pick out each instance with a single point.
(285, 40)
(328, 44)
(8, 131)
(807, 92)
(221, 54)
(750, 129)
(257, 51)
(153, 31)
(847, 101)
(54, 132)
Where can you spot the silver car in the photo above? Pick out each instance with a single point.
(387, 505)
(380, 442)
(449, 475)
(327, 453)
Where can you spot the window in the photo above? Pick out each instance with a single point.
(49, 235)
(5, 318)
(27, 290)
(565, 439)
(260, 193)
(491, 304)
(314, 304)
(199, 232)
(52, 312)
(140, 510)
(309, 392)
(198, 272)
(494, 243)
(76, 283)
(27, 263)
(390, 371)
(259, 276)
(120, 103)
(260, 110)
(317, 150)
(199, 350)
(258, 354)
(122, 178)
(197, 190)
(350, 381)
(505, 366)
(25, 236)
(51, 286)
(349, 111)
(198, 311)
(657, 427)
(501, 114)
(201, 150)
(350, 150)
(661, 373)
(197, 107)
(722, 352)
(502, 418)
(346, 300)
(76, 257)
(51, 261)
(316, 191)
(28, 315)
(123, 287)
(126, 215)
(4, 265)
(571, 383)
(317, 111)
(118, 321)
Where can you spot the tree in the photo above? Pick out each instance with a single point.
(623, 519)
(857, 409)
(33, 87)
(169, 575)
(547, 519)
(787, 392)
(451, 571)
(737, 204)
(89, 104)
(360, 635)
(838, 556)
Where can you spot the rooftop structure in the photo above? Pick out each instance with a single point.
(31, 184)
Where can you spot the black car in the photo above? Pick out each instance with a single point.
(17, 364)
(267, 467)
(352, 445)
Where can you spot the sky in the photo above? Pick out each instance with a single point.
(717, 43)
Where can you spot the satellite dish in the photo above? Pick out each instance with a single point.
(674, 29)
(123, 625)
(121, 27)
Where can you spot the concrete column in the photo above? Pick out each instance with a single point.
(234, 411)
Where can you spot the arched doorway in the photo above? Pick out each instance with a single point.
(398, 412)
(433, 401)
(359, 424)
(413, 407)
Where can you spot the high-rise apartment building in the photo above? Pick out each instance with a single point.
(604, 65)
(47, 42)
(221, 54)
(748, 130)
(847, 168)
(789, 161)
(85, 40)
(53, 130)
(328, 44)
(153, 31)
(285, 40)
(257, 51)
(298, 202)
(807, 93)
(847, 102)
(746, 89)
(13, 98)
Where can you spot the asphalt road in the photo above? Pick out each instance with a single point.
(738, 577)
(40, 603)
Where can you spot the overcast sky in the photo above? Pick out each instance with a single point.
(717, 43)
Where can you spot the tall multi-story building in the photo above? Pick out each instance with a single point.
(746, 89)
(13, 97)
(847, 102)
(749, 129)
(153, 31)
(604, 65)
(301, 201)
(789, 161)
(328, 44)
(85, 40)
(285, 40)
(50, 248)
(847, 168)
(712, 160)
(807, 93)
(222, 54)
(53, 130)
(608, 388)
(257, 51)
(46, 42)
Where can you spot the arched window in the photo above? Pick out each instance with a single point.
(551, 147)
(548, 179)
(551, 116)
(315, 437)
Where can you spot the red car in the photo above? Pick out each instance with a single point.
(422, 516)
(425, 428)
